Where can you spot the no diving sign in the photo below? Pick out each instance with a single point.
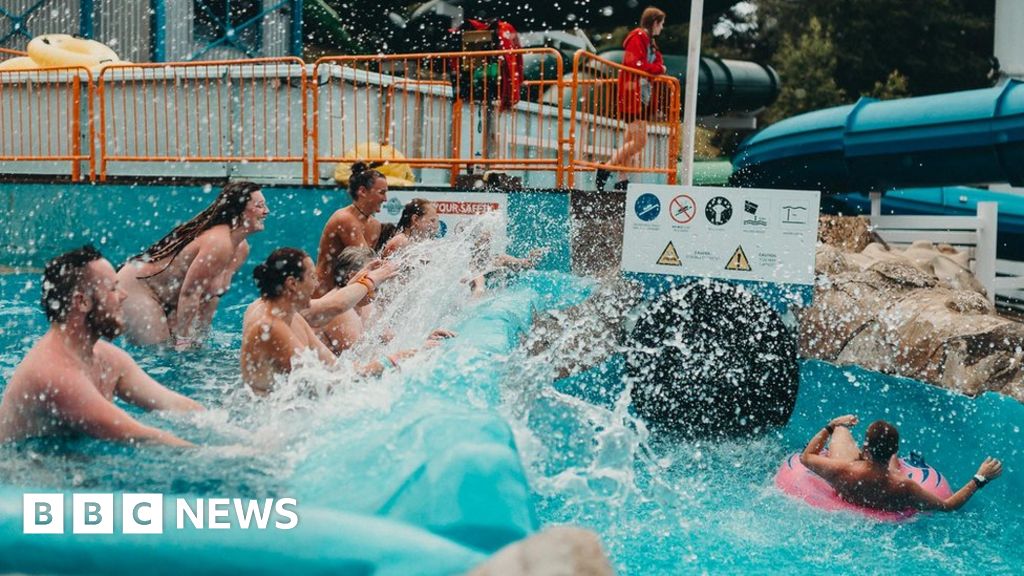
(731, 233)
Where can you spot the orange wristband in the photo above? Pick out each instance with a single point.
(368, 284)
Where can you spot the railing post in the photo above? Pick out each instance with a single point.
(91, 132)
(985, 251)
(102, 132)
(453, 172)
(76, 127)
(574, 100)
(674, 137)
(876, 203)
(305, 91)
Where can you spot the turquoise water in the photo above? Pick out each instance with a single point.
(474, 445)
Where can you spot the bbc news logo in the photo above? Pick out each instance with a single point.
(144, 513)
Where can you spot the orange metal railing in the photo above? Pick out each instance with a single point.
(41, 113)
(442, 111)
(616, 110)
(182, 112)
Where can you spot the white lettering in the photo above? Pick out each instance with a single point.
(292, 515)
(253, 509)
(218, 508)
(195, 517)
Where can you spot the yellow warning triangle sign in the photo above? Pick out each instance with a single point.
(669, 257)
(738, 261)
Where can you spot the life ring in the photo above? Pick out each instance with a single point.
(19, 63)
(62, 50)
(795, 479)
(398, 173)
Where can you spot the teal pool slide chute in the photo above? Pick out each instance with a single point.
(969, 137)
(722, 85)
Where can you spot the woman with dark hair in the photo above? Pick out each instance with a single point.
(419, 221)
(635, 94)
(353, 225)
(345, 329)
(274, 329)
(174, 286)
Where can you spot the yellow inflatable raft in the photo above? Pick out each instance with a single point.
(384, 158)
(19, 63)
(61, 50)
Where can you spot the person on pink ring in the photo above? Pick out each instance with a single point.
(867, 477)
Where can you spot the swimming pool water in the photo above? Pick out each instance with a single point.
(661, 506)
(474, 445)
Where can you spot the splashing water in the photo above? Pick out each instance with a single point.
(338, 440)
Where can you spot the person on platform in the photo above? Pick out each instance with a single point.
(636, 98)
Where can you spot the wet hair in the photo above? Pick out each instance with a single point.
(350, 261)
(363, 176)
(60, 279)
(387, 232)
(282, 264)
(882, 441)
(226, 209)
(415, 207)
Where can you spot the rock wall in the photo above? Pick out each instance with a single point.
(917, 312)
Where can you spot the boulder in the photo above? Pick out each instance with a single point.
(557, 551)
(917, 312)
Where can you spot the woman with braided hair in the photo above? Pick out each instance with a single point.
(174, 286)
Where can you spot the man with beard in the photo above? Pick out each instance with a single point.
(67, 382)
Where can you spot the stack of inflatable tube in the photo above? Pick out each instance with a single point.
(63, 51)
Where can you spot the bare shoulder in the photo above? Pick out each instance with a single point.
(263, 330)
(215, 239)
(42, 360)
(43, 369)
(242, 251)
(111, 354)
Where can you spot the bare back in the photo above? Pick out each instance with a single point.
(871, 485)
(269, 343)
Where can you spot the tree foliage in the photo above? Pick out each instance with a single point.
(808, 65)
(936, 45)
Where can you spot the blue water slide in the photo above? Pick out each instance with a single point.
(970, 137)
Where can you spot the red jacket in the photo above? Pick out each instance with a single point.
(637, 45)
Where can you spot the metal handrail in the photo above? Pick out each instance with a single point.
(141, 113)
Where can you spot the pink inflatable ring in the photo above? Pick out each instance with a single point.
(796, 480)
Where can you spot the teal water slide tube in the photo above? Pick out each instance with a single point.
(970, 137)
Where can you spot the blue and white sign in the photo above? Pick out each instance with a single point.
(647, 207)
(735, 233)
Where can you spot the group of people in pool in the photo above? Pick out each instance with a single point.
(168, 294)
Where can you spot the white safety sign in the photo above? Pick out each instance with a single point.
(731, 233)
